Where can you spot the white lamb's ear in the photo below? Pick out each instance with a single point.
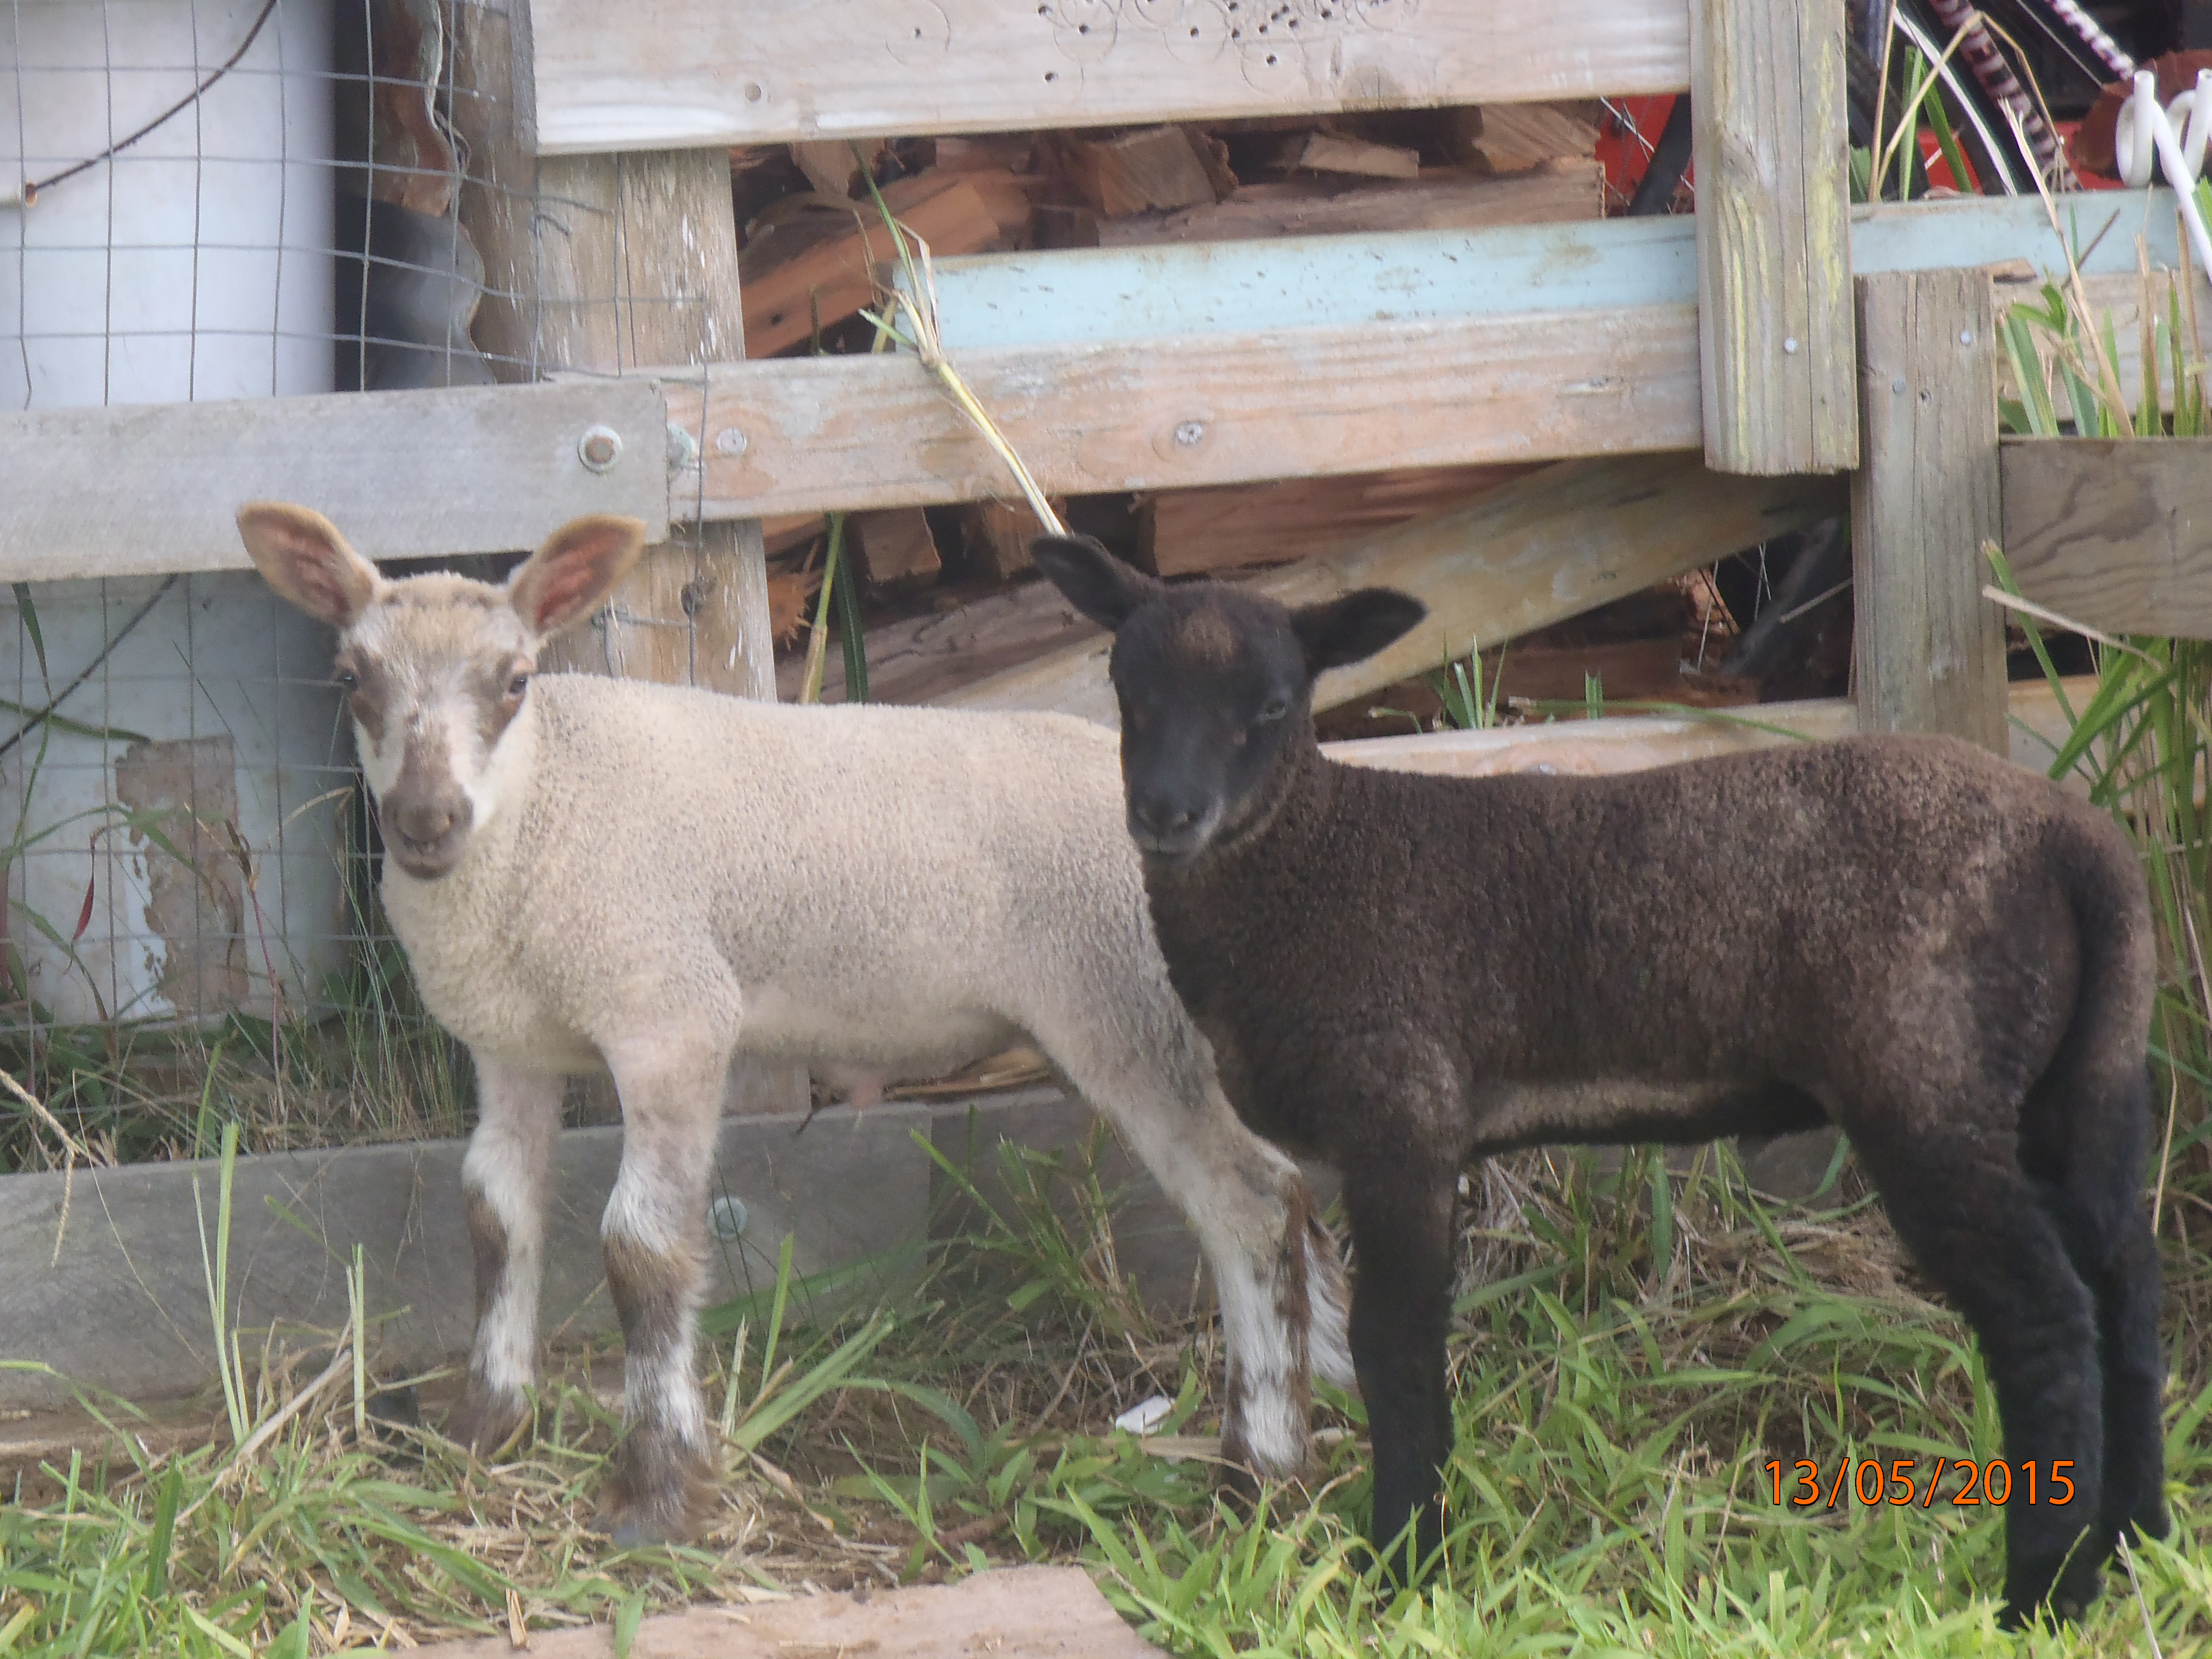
(1096, 583)
(570, 577)
(300, 553)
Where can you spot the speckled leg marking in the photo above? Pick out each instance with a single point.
(665, 1471)
(503, 1187)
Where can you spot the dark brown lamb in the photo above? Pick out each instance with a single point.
(1943, 954)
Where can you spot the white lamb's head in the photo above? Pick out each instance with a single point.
(436, 667)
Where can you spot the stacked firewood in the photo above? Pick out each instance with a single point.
(948, 594)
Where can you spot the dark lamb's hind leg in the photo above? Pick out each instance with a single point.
(2094, 1187)
(1976, 1225)
(1402, 1233)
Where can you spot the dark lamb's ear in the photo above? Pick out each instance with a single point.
(1357, 626)
(1096, 583)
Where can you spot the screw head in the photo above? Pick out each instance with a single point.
(755, 92)
(1897, 385)
(1188, 433)
(1966, 337)
(1789, 347)
(599, 448)
(729, 442)
(727, 1216)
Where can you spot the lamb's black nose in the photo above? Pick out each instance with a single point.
(1163, 818)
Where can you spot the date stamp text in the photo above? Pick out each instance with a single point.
(1806, 1485)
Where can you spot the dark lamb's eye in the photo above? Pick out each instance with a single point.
(1273, 709)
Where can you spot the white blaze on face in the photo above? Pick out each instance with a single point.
(434, 712)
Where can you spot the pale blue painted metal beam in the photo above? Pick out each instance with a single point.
(1069, 296)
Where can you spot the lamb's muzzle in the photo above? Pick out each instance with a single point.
(1944, 955)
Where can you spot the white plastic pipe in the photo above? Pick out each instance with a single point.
(2178, 136)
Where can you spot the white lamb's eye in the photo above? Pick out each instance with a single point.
(348, 681)
(518, 685)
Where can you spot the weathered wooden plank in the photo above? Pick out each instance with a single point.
(1564, 191)
(1774, 268)
(116, 1299)
(1930, 648)
(1550, 546)
(1428, 371)
(1013, 1613)
(1086, 294)
(2116, 534)
(799, 434)
(682, 73)
(1628, 743)
(1183, 532)
(152, 488)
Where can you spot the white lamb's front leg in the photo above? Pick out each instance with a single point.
(503, 1185)
(654, 1234)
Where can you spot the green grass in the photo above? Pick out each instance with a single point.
(1624, 1365)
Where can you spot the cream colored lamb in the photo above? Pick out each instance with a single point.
(593, 874)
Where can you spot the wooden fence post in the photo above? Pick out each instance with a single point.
(1772, 152)
(604, 263)
(1930, 652)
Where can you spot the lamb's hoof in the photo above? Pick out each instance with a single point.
(1236, 1484)
(662, 1491)
(638, 1532)
(400, 1408)
(2077, 1585)
(487, 1423)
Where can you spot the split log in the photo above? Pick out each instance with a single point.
(828, 164)
(1518, 136)
(996, 536)
(785, 531)
(1183, 531)
(1441, 199)
(832, 275)
(1155, 168)
(1563, 541)
(923, 659)
(1325, 152)
(896, 547)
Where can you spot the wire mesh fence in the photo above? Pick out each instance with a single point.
(210, 200)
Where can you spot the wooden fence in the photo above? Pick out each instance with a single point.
(1727, 370)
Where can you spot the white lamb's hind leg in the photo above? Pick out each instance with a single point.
(1277, 1272)
(503, 1185)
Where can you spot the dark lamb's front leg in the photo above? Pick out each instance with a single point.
(1402, 1233)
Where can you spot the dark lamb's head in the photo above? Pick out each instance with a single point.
(1215, 686)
